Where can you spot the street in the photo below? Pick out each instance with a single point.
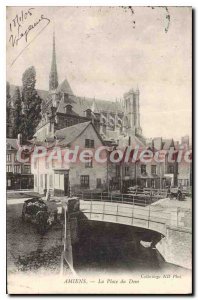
(28, 250)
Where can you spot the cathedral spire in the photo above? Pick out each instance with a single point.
(53, 77)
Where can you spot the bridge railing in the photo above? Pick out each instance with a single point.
(148, 217)
(140, 198)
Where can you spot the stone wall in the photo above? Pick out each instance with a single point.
(176, 247)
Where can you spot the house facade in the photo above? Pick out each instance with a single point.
(148, 172)
(185, 168)
(64, 177)
(18, 174)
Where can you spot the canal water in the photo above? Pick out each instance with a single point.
(113, 248)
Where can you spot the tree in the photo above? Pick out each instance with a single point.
(18, 116)
(7, 101)
(7, 90)
(31, 103)
(9, 112)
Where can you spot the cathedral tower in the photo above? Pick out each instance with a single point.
(53, 77)
(132, 113)
(137, 124)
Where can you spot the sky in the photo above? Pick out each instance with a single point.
(105, 51)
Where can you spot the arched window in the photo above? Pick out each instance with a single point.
(68, 109)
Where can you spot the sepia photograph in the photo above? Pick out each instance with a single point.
(99, 149)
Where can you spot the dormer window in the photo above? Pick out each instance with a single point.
(88, 113)
(65, 97)
(68, 109)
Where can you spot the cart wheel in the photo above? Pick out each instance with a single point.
(41, 228)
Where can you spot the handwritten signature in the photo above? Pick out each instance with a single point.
(16, 26)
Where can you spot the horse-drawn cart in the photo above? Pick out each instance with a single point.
(175, 192)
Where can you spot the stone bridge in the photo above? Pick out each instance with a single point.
(148, 217)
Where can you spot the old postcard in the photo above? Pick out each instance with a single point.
(99, 150)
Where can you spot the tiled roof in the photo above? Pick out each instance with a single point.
(167, 144)
(69, 134)
(137, 140)
(65, 136)
(157, 143)
(134, 140)
(141, 138)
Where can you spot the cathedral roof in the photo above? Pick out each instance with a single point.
(101, 105)
(64, 87)
(81, 104)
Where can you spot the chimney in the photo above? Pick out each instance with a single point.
(129, 142)
(19, 139)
